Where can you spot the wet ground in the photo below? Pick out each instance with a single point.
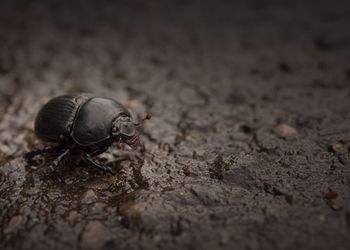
(248, 146)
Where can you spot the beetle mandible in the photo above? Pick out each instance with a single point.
(85, 125)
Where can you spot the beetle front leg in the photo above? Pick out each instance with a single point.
(59, 159)
(89, 159)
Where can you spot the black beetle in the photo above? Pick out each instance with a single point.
(85, 125)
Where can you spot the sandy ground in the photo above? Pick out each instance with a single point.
(248, 147)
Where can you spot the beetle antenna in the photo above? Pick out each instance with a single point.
(147, 117)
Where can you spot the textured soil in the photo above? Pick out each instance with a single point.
(248, 146)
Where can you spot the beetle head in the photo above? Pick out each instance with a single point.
(123, 127)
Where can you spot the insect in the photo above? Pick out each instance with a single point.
(84, 125)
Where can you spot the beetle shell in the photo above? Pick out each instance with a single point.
(93, 122)
(84, 118)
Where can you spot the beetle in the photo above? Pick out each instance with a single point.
(84, 125)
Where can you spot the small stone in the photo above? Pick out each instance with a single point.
(330, 195)
(199, 154)
(338, 148)
(335, 206)
(286, 132)
(94, 236)
(89, 197)
(132, 212)
(13, 224)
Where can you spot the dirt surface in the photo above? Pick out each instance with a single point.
(248, 147)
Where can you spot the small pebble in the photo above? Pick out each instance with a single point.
(132, 211)
(94, 236)
(286, 132)
(199, 153)
(330, 195)
(13, 224)
(89, 197)
(338, 148)
(335, 206)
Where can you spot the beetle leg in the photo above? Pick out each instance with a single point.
(48, 150)
(89, 159)
(57, 161)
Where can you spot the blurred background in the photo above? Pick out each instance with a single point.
(249, 140)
